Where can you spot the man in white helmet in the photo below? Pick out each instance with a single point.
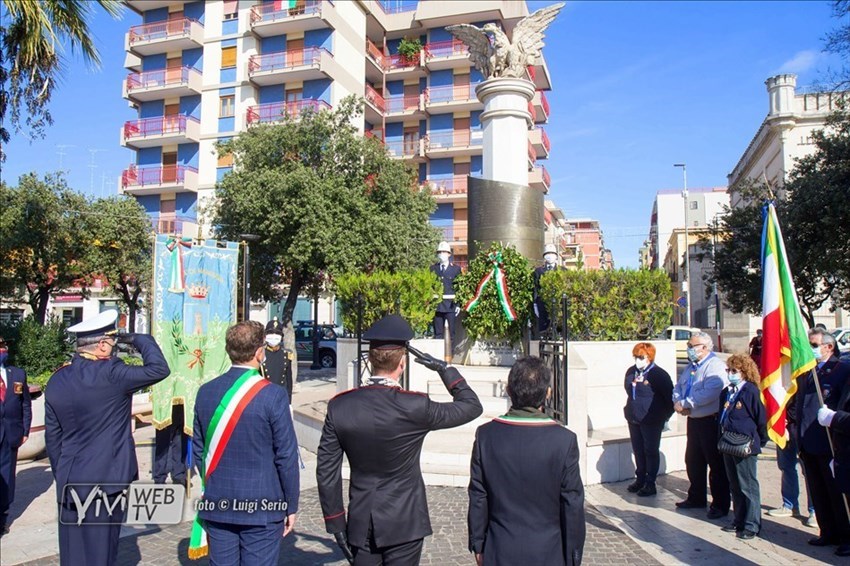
(447, 310)
(550, 263)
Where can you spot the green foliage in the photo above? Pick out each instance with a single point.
(622, 304)
(488, 320)
(41, 348)
(413, 294)
(409, 49)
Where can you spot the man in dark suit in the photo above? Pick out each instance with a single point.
(550, 263)
(814, 446)
(380, 428)
(15, 419)
(87, 424)
(509, 523)
(838, 423)
(448, 309)
(277, 363)
(250, 470)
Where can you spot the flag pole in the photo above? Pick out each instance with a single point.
(829, 438)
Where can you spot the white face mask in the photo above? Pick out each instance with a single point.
(641, 363)
(550, 259)
(444, 257)
(273, 340)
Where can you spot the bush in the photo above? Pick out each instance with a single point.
(412, 294)
(610, 305)
(488, 320)
(409, 49)
(41, 349)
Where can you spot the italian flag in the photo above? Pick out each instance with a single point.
(785, 353)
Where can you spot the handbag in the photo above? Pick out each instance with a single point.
(735, 444)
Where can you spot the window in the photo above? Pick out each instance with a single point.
(694, 205)
(228, 57)
(11, 316)
(225, 160)
(230, 9)
(226, 106)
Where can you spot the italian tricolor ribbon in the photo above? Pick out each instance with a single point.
(497, 274)
(218, 434)
(178, 278)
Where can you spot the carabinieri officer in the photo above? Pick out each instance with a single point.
(380, 428)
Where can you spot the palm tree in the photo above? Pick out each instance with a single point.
(32, 33)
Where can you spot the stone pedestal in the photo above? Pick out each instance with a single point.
(505, 122)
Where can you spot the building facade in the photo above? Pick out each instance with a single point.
(202, 72)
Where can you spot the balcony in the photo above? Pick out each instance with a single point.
(539, 142)
(164, 36)
(374, 62)
(162, 83)
(144, 5)
(539, 75)
(452, 98)
(448, 189)
(375, 134)
(456, 233)
(540, 105)
(310, 63)
(152, 132)
(375, 106)
(275, 19)
(158, 179)
(454, 143)
(277, 111)
(413, 149)
(398, 67)
(538, 178)
(174, 224)
(532, 156)
(449, 54)
(400, 107)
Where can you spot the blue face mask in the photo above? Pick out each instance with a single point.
(816, 352)
(692, 355)
(734, 378)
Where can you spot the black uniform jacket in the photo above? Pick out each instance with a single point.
(448, 279)
(381, 429)
(745, 414)
(87, 418)
(840, 429)
(811, 436)
(650, 401)
(526, 499)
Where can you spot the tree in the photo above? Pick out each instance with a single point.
(40, 243)
(120, 240)
(815, 221)
(838, 42)
(324, 200)
(30, 60)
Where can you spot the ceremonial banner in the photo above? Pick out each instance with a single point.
(785, 353)
(194, 302)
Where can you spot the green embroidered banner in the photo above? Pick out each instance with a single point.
(194, 303)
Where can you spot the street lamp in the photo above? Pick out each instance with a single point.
(246, 273)
(687, 289)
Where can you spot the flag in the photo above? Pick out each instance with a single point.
(785, 342)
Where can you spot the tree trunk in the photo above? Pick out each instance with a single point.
(132, 302)
(38, 303)
(295, 287)
(808, 314)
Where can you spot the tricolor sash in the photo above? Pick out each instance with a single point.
(221, 427)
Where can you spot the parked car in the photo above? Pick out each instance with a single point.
(681, 334)
(842, 339)
(327, 343)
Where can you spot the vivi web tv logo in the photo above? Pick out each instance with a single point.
(133, 504)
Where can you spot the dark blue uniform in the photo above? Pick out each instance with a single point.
(542, 313)
(15, 419)
(649, 405)
(446, 308)
(814, 447)
(87, 420)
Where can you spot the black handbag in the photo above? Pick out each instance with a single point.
(735, 444)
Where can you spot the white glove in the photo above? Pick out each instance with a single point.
(825, 415)
(536, 311)
(457, 311)
(832, 467)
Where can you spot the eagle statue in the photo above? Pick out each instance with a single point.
(501, 57)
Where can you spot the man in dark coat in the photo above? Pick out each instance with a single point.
(550, 263)
(253, 466)
(509, 521)
(838, 422)
(814, 446)
(277, 363)
(15, 419)
(87, 426)
(447, 310)
(380, 428)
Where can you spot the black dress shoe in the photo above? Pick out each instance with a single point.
(715, 513)
(843, 550)
(821, 541)
(635, 486)
(746, 534)
(647, 490)
(688, 504)
(733, 528)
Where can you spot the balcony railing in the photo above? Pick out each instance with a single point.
(275, 11)
(544, 139)
(160, 30)
(170, 224)
(375, 53)
(276, 111)
(375, 99)
(285, 59)
(456, 233)
(159, 126)
(398, 61)
(375, 134)
(405, 148)
(547, 179)
(532, 111)
(454, 185)
(544, 101)
(401, 103)
(454, 138)
(158, 78)
(397, 6)
(451, 93)
(135, 176)
(448, 48)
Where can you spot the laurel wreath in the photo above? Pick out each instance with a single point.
(198, 354)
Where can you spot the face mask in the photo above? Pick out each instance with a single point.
(692, 355)
(443, 257)
(641, 363)
(816, 352)
(550, 259)
(735, 378)
(273, 340)
(3, 357)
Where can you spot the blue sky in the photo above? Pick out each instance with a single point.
(637, 86)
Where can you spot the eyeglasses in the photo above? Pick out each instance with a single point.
(813, 345)
(696, 345)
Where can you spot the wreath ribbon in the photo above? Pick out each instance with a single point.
(198, 358)
(497, 274)
(175, 245)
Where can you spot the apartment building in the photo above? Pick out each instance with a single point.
(579, 241)
(202, 72)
